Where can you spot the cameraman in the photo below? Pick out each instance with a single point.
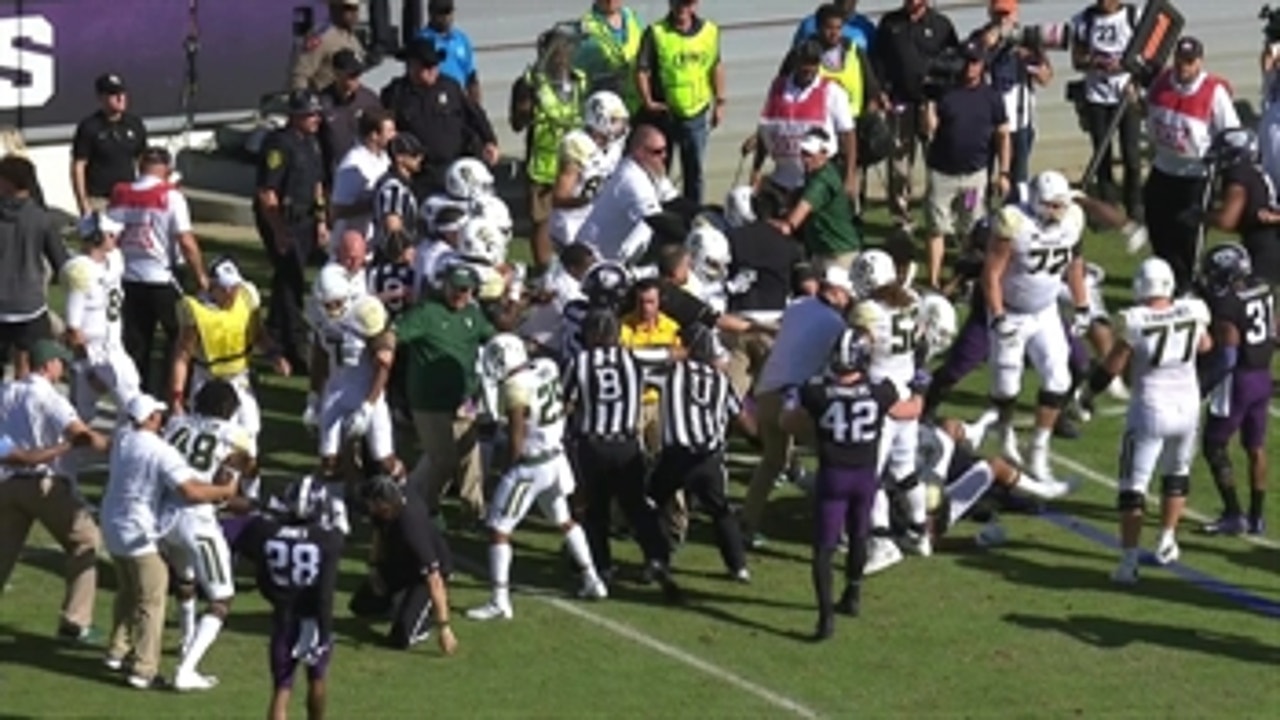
(1015, 69)
(1102, 32)
(967, 126)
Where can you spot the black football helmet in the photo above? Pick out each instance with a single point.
(852, 353)
(1224, 266)
(305, 501)
(606, 285)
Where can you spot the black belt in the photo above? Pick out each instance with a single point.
(609, 439)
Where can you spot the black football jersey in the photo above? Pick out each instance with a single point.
(848, 419)
(1251, 310)
(392, 277)
(297, 566)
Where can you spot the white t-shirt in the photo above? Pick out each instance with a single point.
(33, 414)
(1104, 35)
(150, 236)
(629, 196)
(142, 470)
(808, 330)
(353, 182)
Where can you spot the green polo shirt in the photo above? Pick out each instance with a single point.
(829, 229)
(440, 345)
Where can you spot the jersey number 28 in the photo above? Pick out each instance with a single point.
(293, 564)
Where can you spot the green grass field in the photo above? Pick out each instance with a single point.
(1030, 629)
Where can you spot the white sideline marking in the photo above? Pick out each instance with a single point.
(1094, 475)
(1275, 411)
(672, 652)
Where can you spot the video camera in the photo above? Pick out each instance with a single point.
(1046, 36)
(1272, 29)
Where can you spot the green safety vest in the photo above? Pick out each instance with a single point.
(684, 67)
(553, 117)
(619, 59)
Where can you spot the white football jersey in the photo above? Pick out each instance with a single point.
(1164, 344)
(206, 443)
(536, 387)
(94, 300)
(1041, 253)
(894, 334)
(596, 163)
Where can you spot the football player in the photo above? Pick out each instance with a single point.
(532, 403)
(604, 287)
(391, 277)
(439, 244)
(216, 449)
(296, 549)
(1243, 310)
(560, 286)
(1030, 250)
(1160, 340)
(587, 158)
(94, 299)
(467, 182)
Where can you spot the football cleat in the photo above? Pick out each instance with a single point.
(1117, 389)
(1126, 573)
(916, 542)
(1227, 525)
(1167, 550)
(593, 588)
(1257, 526)
(991, 535)
(1039, 465)
(1009, 446)
(194, 681)
(825, 629)
(742, 575)
(850, 602)
(882, 555)
(114, 664)
(490, 611)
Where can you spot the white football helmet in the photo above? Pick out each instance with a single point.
(938, 324)
(871, 271)
(333, 290)
(1050, 196)
(502, 355)
(710, 252)
(1154, 279)
(606, 115)
(482, 241)
(367, 316)
(495, 211)
(468, 179)
(737, 207)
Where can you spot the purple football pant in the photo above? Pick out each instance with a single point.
(1250, 405)
(844, 496)
(284, 635)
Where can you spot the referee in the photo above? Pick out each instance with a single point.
(395, 205)
(698, 402)
(603, 385)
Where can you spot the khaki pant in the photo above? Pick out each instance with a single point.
(450, 452)
(844, 261)
(747, 353)
(58, 508)
(677, 512)
(955, 202)
(776, 449)
(138, 630)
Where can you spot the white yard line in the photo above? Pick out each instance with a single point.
(1097, 477)
(627, 632)
(1275, 411)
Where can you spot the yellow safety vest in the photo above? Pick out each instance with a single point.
(552, 118)
(849, 77)
(685, 64)
(225, 335)
(619, 57)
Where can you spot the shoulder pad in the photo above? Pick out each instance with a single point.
(492, 284)
(516, 391)
(238, 438)
(252, 297)
(78, 273)
(1009, 221)
(866, 313)
(577, 147)
(1199, 310)
(1074, 218)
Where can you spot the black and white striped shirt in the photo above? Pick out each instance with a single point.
(697, 405)
(604, 385)
(394, 196)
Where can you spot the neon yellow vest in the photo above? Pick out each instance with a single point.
(225, 334)
(619, 58)
(685, 65)
(848, 77)
(552, 118)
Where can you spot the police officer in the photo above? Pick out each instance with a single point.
(106, 145)
(438, 112)
(313, 68)
(344, 100)
(289, 210)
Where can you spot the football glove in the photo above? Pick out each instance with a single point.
(919, 382)
(741, 282)
(311, 416)
(1080, 323)
(357, 423)
(1003, 329)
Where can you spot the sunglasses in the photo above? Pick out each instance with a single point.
(658, 151)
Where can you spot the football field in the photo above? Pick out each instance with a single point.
(1033, 628)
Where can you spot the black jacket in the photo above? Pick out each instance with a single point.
(28, 237)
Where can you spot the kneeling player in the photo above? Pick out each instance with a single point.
(533, 404)
(217, 449)
(296, 549)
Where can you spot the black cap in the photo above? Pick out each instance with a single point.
(346, 62)
(303, 102)
(422, 51)
(155, 155)
(109, 84)
(973, 51)
(1189, 48)
(440, 7)
(405, 144)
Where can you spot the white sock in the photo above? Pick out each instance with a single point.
(206, 632)
(880, 511)
(1040, 439)
(500, 572)
(989, 417)
(918, 503)
(576, 539)
(1043, 489)
(1166, 536)
(187, 622)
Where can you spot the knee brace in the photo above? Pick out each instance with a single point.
(1130, 500)
(1003, 404)
(1219, 461)
(1054, 400)
(1174, 486)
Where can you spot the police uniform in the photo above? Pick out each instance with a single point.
(313, 67)
(339, 132)
(292, 166)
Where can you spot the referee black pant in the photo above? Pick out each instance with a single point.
(1173, 234)
(147, 305)
(701, 474)
(285, 319)
(615, 469)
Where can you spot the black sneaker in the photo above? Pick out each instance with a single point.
(76, 635)
(1066, 428)
(826, 627)
(850, 602)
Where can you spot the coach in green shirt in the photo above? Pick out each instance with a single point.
(824, 215)
(440, 339)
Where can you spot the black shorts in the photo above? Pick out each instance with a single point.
(23, 335)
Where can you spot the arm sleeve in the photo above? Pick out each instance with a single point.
(174, 470)
(181, 212)
(570, 382)
(77, 283)
(82, 143)
(1224, 108)
(55, 251)
(272, 166)
(143, 138)
(476, 119)
(838, 109)
(816, 193)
